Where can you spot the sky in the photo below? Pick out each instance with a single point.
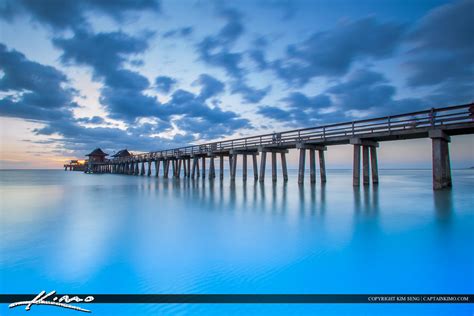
(155, 74)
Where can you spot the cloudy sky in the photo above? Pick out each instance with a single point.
(155, 74)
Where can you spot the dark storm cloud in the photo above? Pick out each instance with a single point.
(443, 56)
(217, 50)
(61, 14)
(164, 84)
(331, 53)
(32, 91)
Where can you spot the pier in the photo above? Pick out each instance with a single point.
(366, 136)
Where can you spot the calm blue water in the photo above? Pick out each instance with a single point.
(78, 233)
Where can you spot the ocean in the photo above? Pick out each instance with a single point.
(105, 233)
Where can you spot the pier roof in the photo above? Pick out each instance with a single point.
(122, 153)
(97, 152)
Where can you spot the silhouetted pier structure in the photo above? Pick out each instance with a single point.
(364, 135)
(74, 165)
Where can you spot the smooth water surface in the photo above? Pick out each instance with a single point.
(78, 233)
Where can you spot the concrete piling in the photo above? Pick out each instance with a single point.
(301, 165)
(322, 166)
(312, 166)
(365, 165)
(263, 161)
(255, 169)
(440, 159)
(274, 167)
(356, 166)
(244, 167)
(283, 166)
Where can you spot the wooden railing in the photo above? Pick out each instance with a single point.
(436, 117)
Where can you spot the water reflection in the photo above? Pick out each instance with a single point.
(153, 235)
(366, 199)
(443, 204)
(276, 198)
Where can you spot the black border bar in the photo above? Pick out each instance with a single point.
(256, 298)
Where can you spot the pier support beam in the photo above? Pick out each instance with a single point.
(284, 169)
(203, 162)
(255, 168)
(195, 170)
(244, 167)
(212, 168)
(221, 167)
(312, 166)
(301, 165)
(374, 165)
(365, 165)
(188, 161)
(368, 146)
(322, 166)
(356, 166)
(263, 162)
(233, 167)
(274, 167)
(143, 169)
(312, 148)
(441, 162)
(166, 168)
(149, 168)
(137, 168)
(157, 168)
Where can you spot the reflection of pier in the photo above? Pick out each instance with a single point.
(364, 135)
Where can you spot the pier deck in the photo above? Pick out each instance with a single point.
(365, 135)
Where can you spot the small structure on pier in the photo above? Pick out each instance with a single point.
(121, 153)
(96, 160)
(75, 165)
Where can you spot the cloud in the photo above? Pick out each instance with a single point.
(37, 92)
(331, 53)
(179, 32)
(362, 93)
(443, 47)
(300, 109)
(32, 91)
(249, 94)
(123, 91)
(97, 120)
(363, 89)
(61, 14)
(210, 86)
(164, 84)
(286, 7)
(217, 50)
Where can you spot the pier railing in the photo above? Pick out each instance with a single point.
(433, 118)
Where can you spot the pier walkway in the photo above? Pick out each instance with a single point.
(365, 136)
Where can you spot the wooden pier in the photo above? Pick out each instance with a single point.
(365, 136)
